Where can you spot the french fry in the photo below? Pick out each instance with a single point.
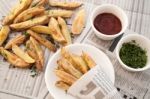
(41, 29)
(19, 39)
(60, 13)
(38, 3)
(24, 4)
(28, 14)
(62, 85)
(66, 5)
(13, 59)
(65, 31)
(4, 34)
(31, 51)
(79, 63)
(78, 22)
(89, 61)
(55, 31)
(29, 23)
(40, 54)
(42, 40)
(20, 53)
(68, 67)
(65, 77)
(60, 68)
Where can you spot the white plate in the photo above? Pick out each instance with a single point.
(98, 56)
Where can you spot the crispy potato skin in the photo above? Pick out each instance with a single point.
(65, 31)
(42, 40)
(28, 14)
(29, 23)
(66, 77)
(19, 39)
(4, 34)
(78, 22)
(60, 13)
(20, 53)
(41, 29)
(55, 31)
(65, 5)
(13, 59)
(16, 11)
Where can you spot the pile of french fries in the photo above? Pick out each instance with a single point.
(71, 67)
(37, 18)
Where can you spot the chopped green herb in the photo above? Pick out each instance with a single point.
(133, 55)
(26, 34)
(33, 71)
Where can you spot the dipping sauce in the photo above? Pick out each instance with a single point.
(107, 23)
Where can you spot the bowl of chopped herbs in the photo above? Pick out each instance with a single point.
(133, 52)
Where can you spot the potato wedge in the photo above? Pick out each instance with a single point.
(55, 31)
(4, 34)
(39, 3)
(60, 13)
(41, 29)
(65, 77)
(13, 59)
(19, 39)
(20, 53)
(28, 14)
(78, 22)
(62, 85)
(40, 54)
(89, 61)
(24, 4)
(42, 40)
(79, 63)
(32, 22)
(66, 5)
(31, 51)
(68, 67)
(60, 68)
(65, 31)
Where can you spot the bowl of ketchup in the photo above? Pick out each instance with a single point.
(108, 21)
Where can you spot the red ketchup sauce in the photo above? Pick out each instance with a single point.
(107, 23)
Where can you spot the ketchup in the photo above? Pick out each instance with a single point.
(107, 23)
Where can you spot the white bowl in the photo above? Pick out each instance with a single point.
(115, 10)
(143, 43)
(98, 56)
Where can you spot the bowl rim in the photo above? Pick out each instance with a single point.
(105, 35)
(118, 50)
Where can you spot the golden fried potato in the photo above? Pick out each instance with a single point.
(55, 31)
(60, 13)
(66, 5)
(4, 34)
(20, 53)
(68, 67)
(19, 39)
(39, 3)
(79, 63)
(62, 85)
(13, 59)
(28, 14)
(89, 61)
(40, 54)
(32, 22)
(65, 31)
(60, 68)
(42, 40)
(78, 22)
(41, 29)
(31, 51)
(65, 77)
(24, 4)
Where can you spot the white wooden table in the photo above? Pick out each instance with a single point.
(138, 12)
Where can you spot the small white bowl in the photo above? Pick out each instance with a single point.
(143, 43)
(115, 10)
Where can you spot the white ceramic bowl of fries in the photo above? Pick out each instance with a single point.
(95, 54)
